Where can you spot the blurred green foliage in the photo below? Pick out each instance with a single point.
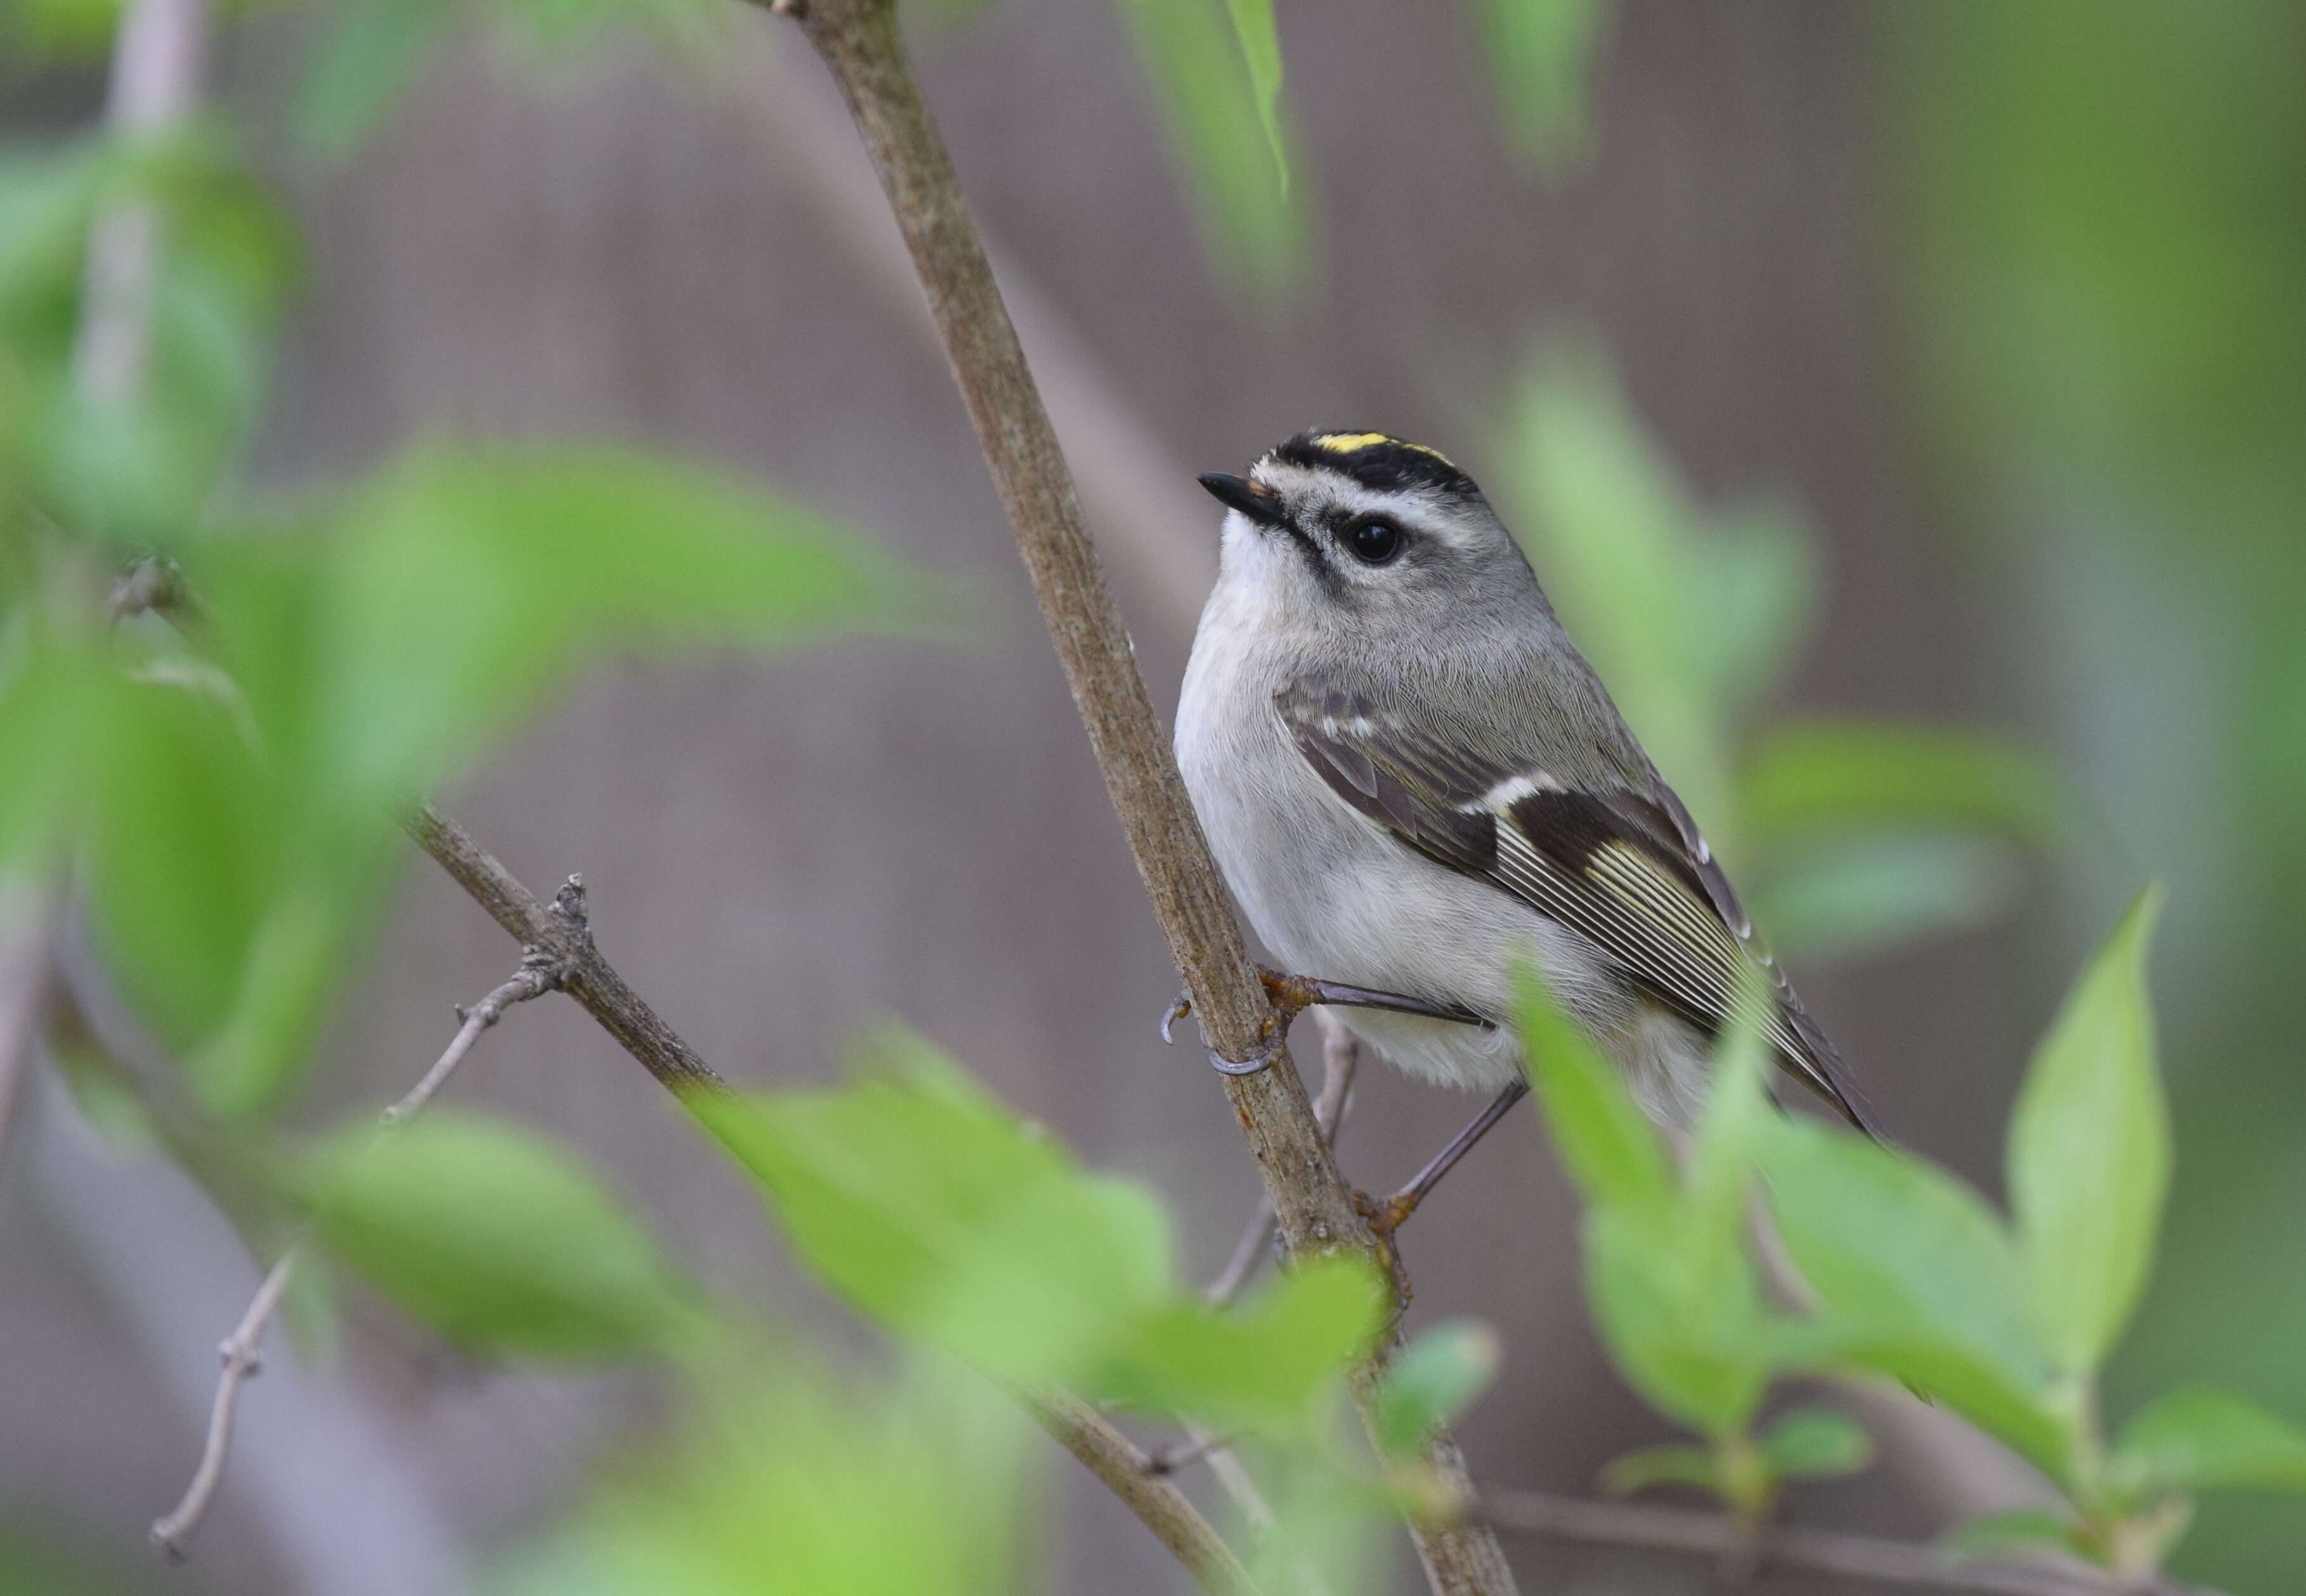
(1542, 53)
(793, 1482)
(931, 1208)
(223, 786)
(372, 50)
(1673, 1289)
(1912, 1277)
(2105, 254)
(497, 1238)
(1218, 93)
(239, 797)
(127, 468)
(1848, 837)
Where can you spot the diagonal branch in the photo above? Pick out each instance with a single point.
(1115, 1459)
(1126, 1470)
(540, 972)
(588, 977)
(859, 42)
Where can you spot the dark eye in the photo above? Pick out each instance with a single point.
(1374, 540)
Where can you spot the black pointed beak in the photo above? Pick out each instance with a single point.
(1260, 505)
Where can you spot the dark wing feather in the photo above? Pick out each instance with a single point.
(1627, 869)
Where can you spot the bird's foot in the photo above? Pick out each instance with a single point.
(1292, 995)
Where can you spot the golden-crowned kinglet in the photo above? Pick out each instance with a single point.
(1410, 776)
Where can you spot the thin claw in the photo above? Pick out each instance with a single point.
(1260, 1060)
(1177, 1010)
(1292, 995)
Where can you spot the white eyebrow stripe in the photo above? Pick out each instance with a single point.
(1418, 507)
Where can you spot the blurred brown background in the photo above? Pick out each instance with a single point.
(781, 851)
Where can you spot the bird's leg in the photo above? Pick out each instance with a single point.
(1386, 1217)
(1292, 995)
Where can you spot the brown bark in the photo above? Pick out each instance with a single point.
(859, 41)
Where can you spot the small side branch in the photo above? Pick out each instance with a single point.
(1341, 1060)
(1645, 1527)
(1130, 1474)
(588, 977)
(241, 1353)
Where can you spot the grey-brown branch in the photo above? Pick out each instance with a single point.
(859, 42)
(1117, 1462)
(587, 977)
(241, 1353)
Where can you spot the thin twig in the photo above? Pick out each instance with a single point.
(1643, 1525)
(1341, 1059)
(590, 978)
(156, 66)
(173, 1533)
(540, 972)
(858, 40)
(1128, 1473)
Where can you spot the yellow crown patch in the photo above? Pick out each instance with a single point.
(1346, 443)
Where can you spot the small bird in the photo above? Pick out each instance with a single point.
(1410, 776)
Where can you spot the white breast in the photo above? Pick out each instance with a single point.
(1334, 895)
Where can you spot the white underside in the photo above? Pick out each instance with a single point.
(1334, 895)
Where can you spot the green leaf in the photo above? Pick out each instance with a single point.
(1687, 1334)
(62, 30)
(372, 50)
(1916, 1279)
(56, 704)
(494, 1234)
(789, 1480)
(1543, 53)
(1690, 615)
(1998, 1534)
(1208, 96)
(2199, 1438)
(1857, 896)
(140, 467)
(1608, 1145)
(1730, 1125)
(458, 587)
(925, 1204)
(1693, 1466)
(1432, 1380)
(227, 909)
(181, 869)
(1824, 776)
(2089, 1152)
(1981, 1389)
(1816, 1443)
(1888, 1241)
(1260, 49)
(1267, 1365)
(928, 1206)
